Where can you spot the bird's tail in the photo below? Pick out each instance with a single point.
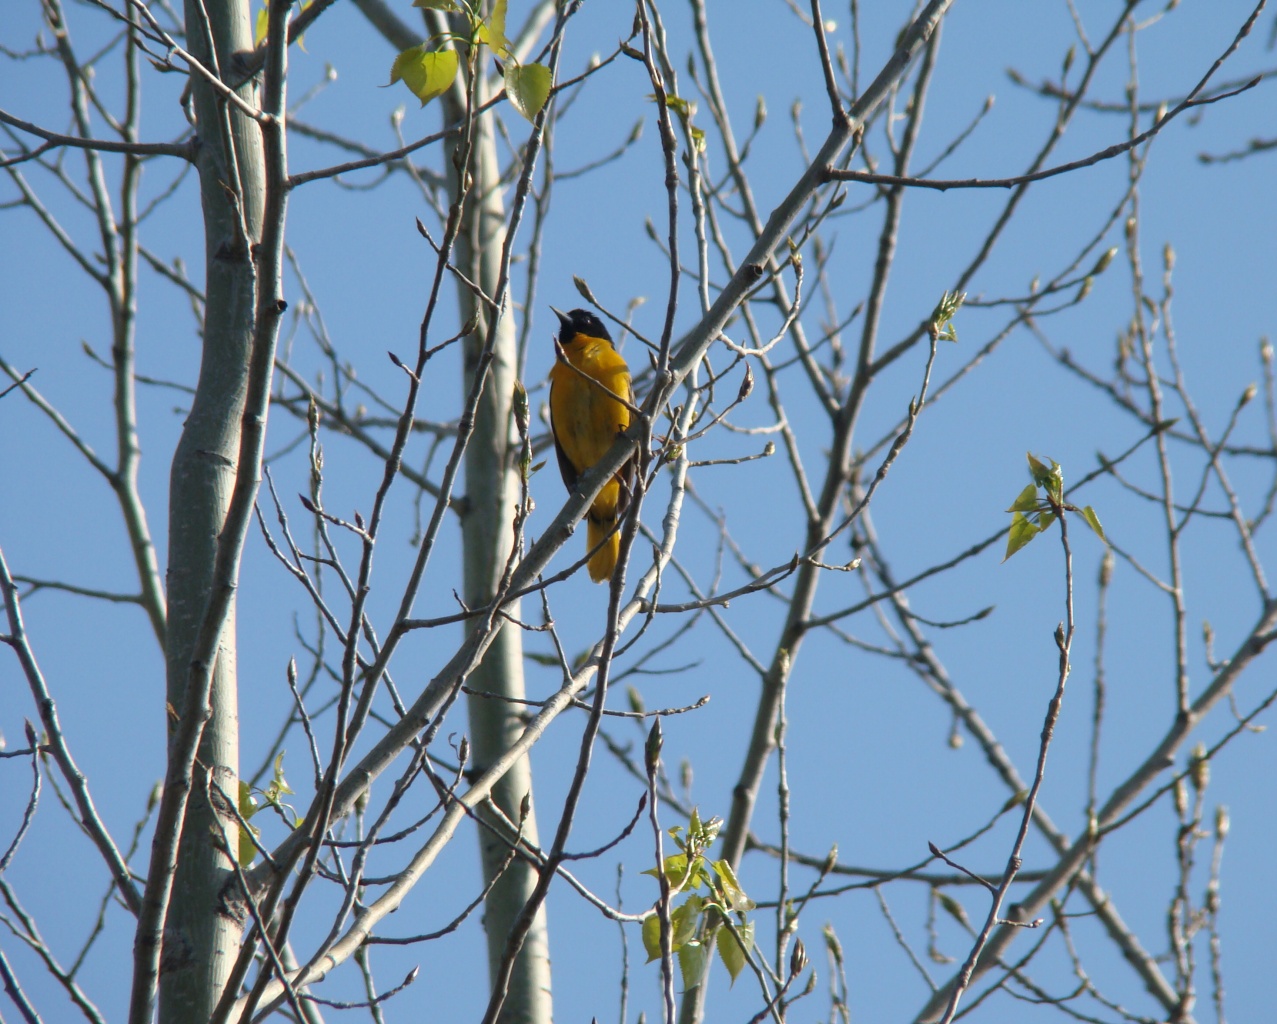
(603, 561)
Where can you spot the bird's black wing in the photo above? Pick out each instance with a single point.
(625, 475)
(570, 475)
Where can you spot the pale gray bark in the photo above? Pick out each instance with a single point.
(201, 937)
(492, 496)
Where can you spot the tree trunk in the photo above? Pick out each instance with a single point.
(201, 936)
(492, 493)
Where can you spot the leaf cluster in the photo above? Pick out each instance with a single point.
(252, 801)
(1041, 503)
(940, 323)
(429, 68)
(713, 915)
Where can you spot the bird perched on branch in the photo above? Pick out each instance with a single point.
(586, 418)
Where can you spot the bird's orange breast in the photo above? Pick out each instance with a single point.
(586, 420)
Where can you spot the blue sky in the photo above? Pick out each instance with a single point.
(870, 763)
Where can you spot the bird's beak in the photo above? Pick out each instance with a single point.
(563, 317)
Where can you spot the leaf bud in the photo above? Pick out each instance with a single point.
(833, 945)
(521, 414)
(1199, 768)
(652, 749)
(1106, 257)
(798, 958)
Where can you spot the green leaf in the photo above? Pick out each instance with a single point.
(492, 30)
(426, 73)
(248, 806)
(528, 87)
(247, 850)
(733, 894)
(1037, 469)
(1022, 531)
(1093, 521)
(676, 872)
(692, 959)
(247, 802)
(1049, 478)
(437, 5)
(680, 106)
(685, 919)
(301, 39)
(652, 937)
(278, 785)
(279, 772)
(731, 952)
(1026, 501)
(262, 24)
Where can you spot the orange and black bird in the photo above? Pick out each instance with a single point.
(586, 420)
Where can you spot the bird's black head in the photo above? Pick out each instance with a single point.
(580, 321)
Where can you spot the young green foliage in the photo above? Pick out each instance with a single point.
(714, 897)
(940, 323)
(686, 110)
(263, 21)
(249, 805)
(527, 86)
(428, 71)
(491, 31)
(1040, 504)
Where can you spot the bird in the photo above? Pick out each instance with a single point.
(585, 420)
